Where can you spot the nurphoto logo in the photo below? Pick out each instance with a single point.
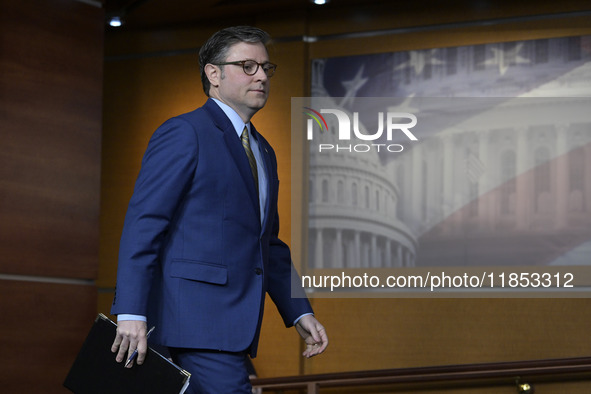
(349, 131)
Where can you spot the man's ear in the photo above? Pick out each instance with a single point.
(213, 73)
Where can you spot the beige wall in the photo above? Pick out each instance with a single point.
(141, 93)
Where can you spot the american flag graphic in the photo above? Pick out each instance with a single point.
(501, 177)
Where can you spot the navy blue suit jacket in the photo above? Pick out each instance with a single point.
(194, 256)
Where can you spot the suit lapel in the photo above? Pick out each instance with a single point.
(267, 164)
(236, 150)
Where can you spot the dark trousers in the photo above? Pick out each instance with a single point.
(214, 372)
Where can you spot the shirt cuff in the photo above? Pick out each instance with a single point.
(298, 319)
(122, 317)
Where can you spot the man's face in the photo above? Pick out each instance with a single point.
(246, 94)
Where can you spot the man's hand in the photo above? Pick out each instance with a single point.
(131, 334)
(313, 334)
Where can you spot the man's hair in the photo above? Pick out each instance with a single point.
(217, 46)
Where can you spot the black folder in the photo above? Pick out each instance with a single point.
(95, 370)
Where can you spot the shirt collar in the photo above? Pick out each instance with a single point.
(234, 118)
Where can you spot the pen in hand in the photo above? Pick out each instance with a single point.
(134, 354)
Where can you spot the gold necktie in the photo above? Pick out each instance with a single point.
(251, 159)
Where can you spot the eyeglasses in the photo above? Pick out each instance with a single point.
(250, 67)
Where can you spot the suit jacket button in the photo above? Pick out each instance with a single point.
(258, 271)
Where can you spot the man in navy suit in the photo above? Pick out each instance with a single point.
(200, 246)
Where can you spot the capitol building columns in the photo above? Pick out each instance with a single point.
(522, 190)
(337, 248)
(562, 189)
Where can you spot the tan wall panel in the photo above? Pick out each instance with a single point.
(43, 327)
(370, 334)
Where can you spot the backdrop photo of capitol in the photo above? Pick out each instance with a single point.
(500, 174)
